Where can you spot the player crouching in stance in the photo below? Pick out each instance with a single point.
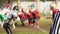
(22, 16)
(30, 17)
(35, 14)
(5, 23)
(33, 17)
(12, 16)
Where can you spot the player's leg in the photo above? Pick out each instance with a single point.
(2, 25)
(13, 23)
(7, 28)
(35, 22)
(22, 21)
(30, 22)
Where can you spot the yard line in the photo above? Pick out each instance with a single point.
(43, 30)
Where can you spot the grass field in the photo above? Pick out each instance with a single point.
(44, 29)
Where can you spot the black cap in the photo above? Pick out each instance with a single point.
(15, 8)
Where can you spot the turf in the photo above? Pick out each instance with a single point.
(45, 25)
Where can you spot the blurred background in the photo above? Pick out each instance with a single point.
(43, 7)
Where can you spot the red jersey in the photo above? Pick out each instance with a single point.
(22, 16)
(54, 12)
(26, 16)
(30, 15)
(35, 14)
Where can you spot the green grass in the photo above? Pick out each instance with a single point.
(31, 33)
(26, 33)
(27, 30)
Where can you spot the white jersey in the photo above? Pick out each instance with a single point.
(15, 14)
(12, 13)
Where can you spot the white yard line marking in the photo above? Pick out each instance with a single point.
(43, 30)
